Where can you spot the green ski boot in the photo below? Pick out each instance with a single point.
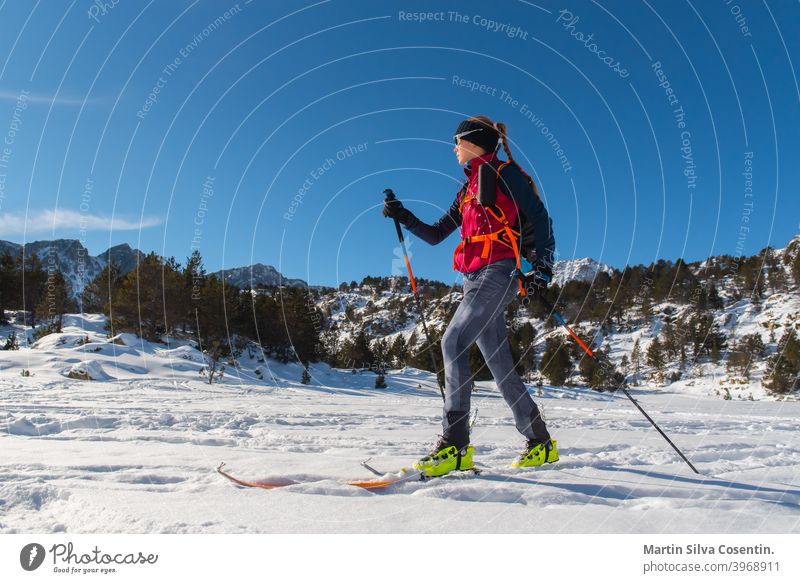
(444, 459)
(537, 454)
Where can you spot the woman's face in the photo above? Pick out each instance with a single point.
(466, 151)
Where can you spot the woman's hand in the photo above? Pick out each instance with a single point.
(538, 278)
(394, 209)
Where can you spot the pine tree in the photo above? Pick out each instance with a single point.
(646, 306)
(783, 367)
(521, 342)
(758, 290)
(701, 298)
(714, 354)
(54, 302)
(9, 287)
(795, 266)
(98, 292)
(143, 302)
(215, 351)
(604, 377)
(303, 321)
(211, 324)
(399, 351)
(670, 339)
(586, 367)
(663, 278)
(193, 279)
(636, 358)
(705, 335)
(655, 356)
(32, 283)
(714, 300)
(752, 278)
(555, 363)
(738, 361)
(624, 364)
(380, 353)
(357, 352)
(775, 277)
(11, 341)
(174, 299)
(269, 329)
(754, 344)
(412, 341)
(306, 377)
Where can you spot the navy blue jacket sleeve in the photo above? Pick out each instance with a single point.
(439, 231)
(533, 208)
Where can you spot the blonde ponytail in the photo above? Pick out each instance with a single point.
(501, 127)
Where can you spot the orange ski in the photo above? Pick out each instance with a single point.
(371, 485)
(264, 485)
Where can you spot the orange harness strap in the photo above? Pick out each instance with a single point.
(506, 231)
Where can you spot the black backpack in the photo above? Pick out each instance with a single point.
(488, 176)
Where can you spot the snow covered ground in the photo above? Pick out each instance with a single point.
(136, 451)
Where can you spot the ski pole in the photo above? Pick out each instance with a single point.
(561, 321)
(390, 196)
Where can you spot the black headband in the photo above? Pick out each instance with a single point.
(481, 134)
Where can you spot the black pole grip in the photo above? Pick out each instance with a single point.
(390, 196)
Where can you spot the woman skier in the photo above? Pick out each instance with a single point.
(488, 257)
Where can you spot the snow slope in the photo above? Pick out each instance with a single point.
(136, 452)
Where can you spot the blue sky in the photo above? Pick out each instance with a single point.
(266, 132)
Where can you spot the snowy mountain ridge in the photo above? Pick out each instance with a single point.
(585, 269)
(72, 259)
(256, 275)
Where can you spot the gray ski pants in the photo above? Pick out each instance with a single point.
(480, 317)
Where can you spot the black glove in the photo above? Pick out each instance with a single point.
(394, 209)
(537, 279)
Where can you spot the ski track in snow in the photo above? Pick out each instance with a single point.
(137, 453)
